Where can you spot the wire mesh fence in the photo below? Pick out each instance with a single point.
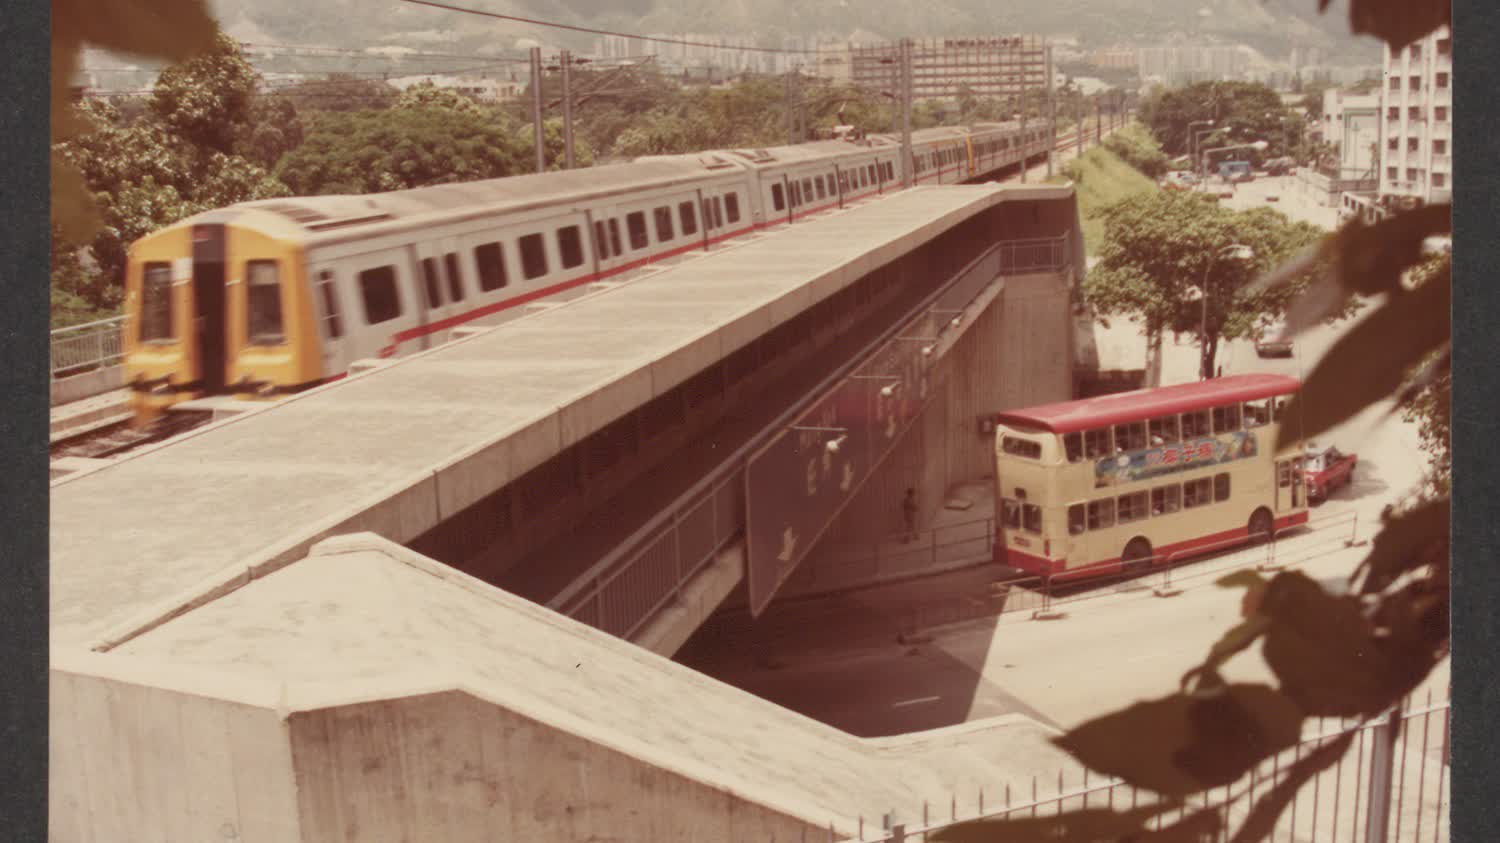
(79, 348)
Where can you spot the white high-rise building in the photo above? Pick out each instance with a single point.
(1417, 120)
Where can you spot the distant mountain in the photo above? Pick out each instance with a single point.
(1273, 27)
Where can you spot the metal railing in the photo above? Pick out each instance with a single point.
(1389, 788)
(78, 348)
(624, 590)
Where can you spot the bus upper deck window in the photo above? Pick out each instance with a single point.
(1257, 413)
(1227, 419)
(1096, 443)
(1195, 424)
(1130, 436)
(1163, 430)
(1073, 445)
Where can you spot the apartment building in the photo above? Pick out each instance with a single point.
(1352, 123)
(999, 66)
(1416, 102)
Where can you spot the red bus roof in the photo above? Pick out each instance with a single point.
(1087, 413)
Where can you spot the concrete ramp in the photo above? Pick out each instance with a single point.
(366, 692)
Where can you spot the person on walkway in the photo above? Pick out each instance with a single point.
(909, 511)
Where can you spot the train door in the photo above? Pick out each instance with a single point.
(209, 305)
(608, 239)
(438, 294)
(331, 310)
(711, 212)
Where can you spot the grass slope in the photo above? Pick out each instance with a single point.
(1101, 178)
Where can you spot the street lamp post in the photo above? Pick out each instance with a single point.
(1193, 137)
(1198, 142)
(1238, 251)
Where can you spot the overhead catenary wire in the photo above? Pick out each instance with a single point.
(653, 38)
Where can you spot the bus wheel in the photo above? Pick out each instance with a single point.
(1137, 555)
(1260, 526)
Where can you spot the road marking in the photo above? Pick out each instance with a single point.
(915, 701)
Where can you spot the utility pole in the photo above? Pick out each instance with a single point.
(791, 138)
(567, 104)
(1098, 123)
(907, 163)
(1051, 113)
(1021, 54)
(536, 108)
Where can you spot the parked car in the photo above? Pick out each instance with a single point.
(1272, 342)
(1241, 178)
(1326, 469)
(1271, 197)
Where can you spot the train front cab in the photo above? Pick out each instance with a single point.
(216, 308)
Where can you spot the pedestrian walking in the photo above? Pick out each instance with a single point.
(909, 511)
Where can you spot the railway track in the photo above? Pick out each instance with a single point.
(120, 437)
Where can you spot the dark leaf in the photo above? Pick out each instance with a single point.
(1322, 649)
(1371, 258)
(1397, 22)
(1267, 809)
(1369, 363)
(1234, 729)
(1434, 369)
(72, 208)
(1182, 744)
(1405, 543)
(1236, 640)
(166, 29)
(1201, 826)
(1244, 578)
(1095, 825)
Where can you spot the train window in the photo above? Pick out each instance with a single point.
(533, 256)
(718, 212)
(778, 197)
(263, 306)
(796, 193)
(664, 230)
(601, 241)
(807, 190)
(614, 237)
(329, 298)
(818, 186)
(1166, 499)
(491, 260)
(685, 216)
(156, 302)
(570, 246)
(1221, 488)
(843, 181)
(732, 206)
(455, 279)
(430, 282)
(890, 172)
(635, 225)
(382, 302)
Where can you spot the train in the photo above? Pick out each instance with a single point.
(271, 297)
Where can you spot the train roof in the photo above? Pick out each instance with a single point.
(1104, 410)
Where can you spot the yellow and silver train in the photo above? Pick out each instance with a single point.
(271, 297)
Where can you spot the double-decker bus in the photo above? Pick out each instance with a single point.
(1125, 481)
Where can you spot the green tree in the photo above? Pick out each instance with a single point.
(372, 151)
(275, 129)
(340, 92)
(424, 94)
(206, 101)
(1427, 401)
(1242, 112)
(1163, 260)
(1139, 149)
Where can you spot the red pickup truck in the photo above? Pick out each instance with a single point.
(1326, 469)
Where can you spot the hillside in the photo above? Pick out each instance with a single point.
(1272, 26)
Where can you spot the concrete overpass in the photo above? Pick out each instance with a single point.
(636, 414)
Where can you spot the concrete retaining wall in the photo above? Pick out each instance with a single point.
(448, 766)
(87, 385)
